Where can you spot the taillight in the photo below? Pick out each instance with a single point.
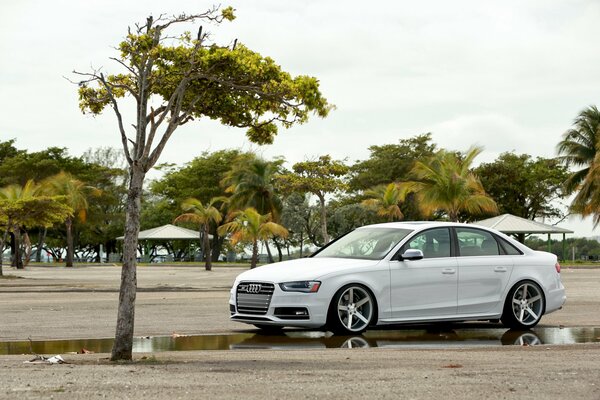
(557, 266)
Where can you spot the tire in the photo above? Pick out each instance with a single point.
(524, 306)
(520, 338)
(352, 310)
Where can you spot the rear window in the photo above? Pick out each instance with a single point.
(509, 248)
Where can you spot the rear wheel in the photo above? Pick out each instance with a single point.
(524, 306)
(351, 310)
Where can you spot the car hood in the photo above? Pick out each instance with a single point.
(302, 269)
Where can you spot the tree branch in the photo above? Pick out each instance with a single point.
(115, 106)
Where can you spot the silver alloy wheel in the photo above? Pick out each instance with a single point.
(355, 343)
(528, 339)
(355, 309)
(527, 304)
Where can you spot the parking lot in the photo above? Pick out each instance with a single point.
(54, 303)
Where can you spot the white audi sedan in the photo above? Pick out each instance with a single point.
(403, 272)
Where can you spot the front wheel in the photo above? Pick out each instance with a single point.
(351, 310)
(524, 306)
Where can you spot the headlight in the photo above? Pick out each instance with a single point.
(300, 286)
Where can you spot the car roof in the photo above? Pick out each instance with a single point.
(414, 225)
(422, 225)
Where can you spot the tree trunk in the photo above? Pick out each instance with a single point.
(254, 254)
(2, 246)
(122, 347)
(453, 215)
(17, 261)
(279, 251)
(69, 258)
(40, 246)
(266, 242)
(217, 246)
(323, 220)
(26, 248)
(206, 251)
(301, 243)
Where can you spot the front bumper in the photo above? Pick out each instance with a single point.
(307, 310)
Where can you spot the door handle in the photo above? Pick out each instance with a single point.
(500, 269)
(448, 271)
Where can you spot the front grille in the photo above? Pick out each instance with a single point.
(254, 297)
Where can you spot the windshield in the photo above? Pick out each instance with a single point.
(366, 243)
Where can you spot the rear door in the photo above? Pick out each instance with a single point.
(484, 270)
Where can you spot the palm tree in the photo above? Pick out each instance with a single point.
(446, 183)
(203, 215)
(580, 147)
(74, 191)
(251, 184)
(386, 200)
(249, 226)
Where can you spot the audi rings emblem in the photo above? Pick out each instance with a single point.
(254, 288)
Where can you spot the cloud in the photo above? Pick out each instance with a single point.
(496, 133)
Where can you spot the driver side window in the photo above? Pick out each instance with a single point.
(434, 243)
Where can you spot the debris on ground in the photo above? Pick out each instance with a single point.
(85, 351)
(57, 359)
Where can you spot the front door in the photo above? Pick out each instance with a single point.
(425, 288)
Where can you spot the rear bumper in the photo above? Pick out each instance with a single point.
(555, 300)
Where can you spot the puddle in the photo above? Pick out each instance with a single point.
(406, 338)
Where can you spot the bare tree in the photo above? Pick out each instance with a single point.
(174, 80)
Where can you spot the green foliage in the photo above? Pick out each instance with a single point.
(390, 162)
(344, 218)
(203, 215)
(23, 166)
(200, 178)
(251, 183)
(523, 186)
(583, 249)
(386, 200)
(236, 85)
(73, 190)
(198, 213)
(26, 206)
(445, 183)
(318, 177)
(294, 217)
(157, 212)
(97, 168)
(228, 13)
(580, 148)
(8, 150)
(249, 226)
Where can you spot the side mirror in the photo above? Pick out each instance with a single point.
(411, 254)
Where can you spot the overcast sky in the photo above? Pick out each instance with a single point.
(506, 75)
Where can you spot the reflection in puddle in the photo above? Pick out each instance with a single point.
(408, 338)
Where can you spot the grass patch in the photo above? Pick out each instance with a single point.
(579, 265)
